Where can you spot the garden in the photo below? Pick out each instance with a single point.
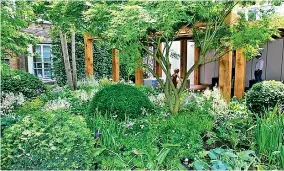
(96, 123)
(107, 125)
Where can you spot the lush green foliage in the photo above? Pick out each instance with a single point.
(226, 159)
(49, 140)
(189, 140)
(265, 95)
(18, 81)
(169, 139)
(15, 16)
(102, 60)
(121, 100)
(157, 22)
(269, 137)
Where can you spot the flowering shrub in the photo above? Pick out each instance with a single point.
(9, 101)
(57, 104)
(88, 84)
(84, 96)
(158, 100)
(213, 102)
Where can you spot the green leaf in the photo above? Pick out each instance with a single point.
(99, 151)
(162, 155)
(212, 155)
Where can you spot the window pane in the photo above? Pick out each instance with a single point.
(38, 59)
(39, 65)
(38, 49)
(47, 74)
(46, 51)
(38, 72)
(46, 60)
(47, 65)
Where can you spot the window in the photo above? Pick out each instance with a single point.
(42, 61)
(6, 61)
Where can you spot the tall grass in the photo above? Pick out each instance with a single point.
(110, 130)
(269, 137)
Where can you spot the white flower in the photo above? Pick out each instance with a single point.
(129, 124)
(9, 101)
(57, 104)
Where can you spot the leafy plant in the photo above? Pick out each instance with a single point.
(30, 107)
(269, 137)
(47, 140)
(121, 100)
(264, 96)
(17, 81)
(107, 132)
(226, 159)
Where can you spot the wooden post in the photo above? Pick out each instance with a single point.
(115, 65)
(89, 62)
(139, 73)
(158, 67)
(240, 74)
(225, 75)
(225, 68)
(183, 58)
(196, 71)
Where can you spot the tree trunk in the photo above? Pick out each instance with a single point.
(74, 73)
(66, 59)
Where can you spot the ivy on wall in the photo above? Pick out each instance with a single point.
(58, 61)
(102, 60)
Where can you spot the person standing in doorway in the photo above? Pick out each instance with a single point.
(258, 68)
(175, 77)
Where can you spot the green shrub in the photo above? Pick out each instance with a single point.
(265, 95)
(30, 107)
(47, 141)
(121, 100)
(18, 81)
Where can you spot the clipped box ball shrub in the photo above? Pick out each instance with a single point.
(265, 95)
(121, 100)
(18, 81)
(47, 141)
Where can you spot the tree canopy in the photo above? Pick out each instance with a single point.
(15, 16)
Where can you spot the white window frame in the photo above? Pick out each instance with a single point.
(42, 62)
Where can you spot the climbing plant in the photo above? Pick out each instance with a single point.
(102, 60)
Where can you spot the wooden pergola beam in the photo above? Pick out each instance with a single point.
(89, 61)
(240, 74)
(115, 65)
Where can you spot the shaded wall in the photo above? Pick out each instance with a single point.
(272, 54)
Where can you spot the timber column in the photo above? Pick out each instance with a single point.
(225, 67)
(89, 61)
(139, 73)
(196, 71)
(240, 74)
(183, 58)
(115, 65)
